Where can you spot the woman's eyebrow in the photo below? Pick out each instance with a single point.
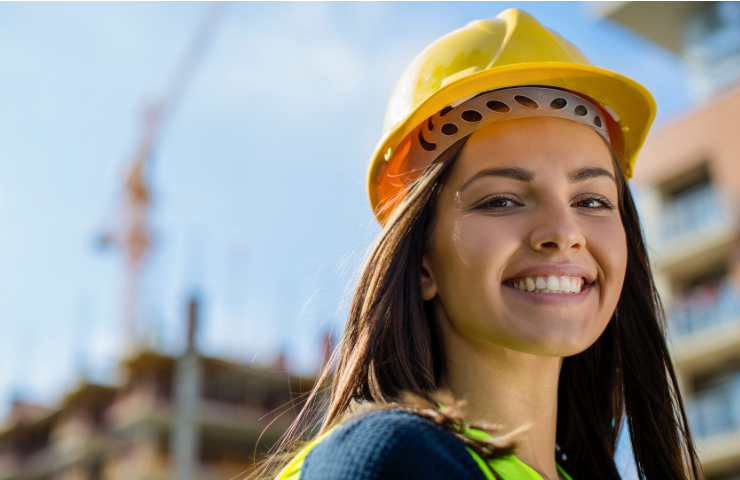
(587, 173)
(515, 173)
(524, 175)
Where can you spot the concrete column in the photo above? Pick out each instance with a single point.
(185, 441)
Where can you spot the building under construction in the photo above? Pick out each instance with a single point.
(190, 417)
(688, 177)
(187, 417)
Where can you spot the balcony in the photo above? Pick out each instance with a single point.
(716, 411)
(690, 212)
(712, 47)
(714, 416)
(704, 307)
(694, 228)
(705, 325)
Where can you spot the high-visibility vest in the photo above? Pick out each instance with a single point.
(507, 468)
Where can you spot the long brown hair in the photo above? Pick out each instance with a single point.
(391, 347)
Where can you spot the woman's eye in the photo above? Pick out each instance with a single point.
(505, 203)
(501, 203)
(593, 203)
(589, 203)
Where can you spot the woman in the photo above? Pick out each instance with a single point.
(511, 272)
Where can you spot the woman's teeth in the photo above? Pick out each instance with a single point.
(549, 284)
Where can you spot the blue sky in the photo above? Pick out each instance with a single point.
(260, 201)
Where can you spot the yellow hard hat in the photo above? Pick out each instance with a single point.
(510, 50)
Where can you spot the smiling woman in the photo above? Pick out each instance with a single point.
(538, 213)
(510, 284)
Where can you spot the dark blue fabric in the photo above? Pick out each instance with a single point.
(390, 445)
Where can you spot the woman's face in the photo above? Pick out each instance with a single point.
(528, 250)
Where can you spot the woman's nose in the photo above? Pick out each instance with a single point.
(556, 230)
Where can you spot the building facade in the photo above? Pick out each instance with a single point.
(189, 417)
(687, 181)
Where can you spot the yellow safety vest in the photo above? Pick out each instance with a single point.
(507, 468)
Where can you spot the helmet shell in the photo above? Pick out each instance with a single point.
(513, 49)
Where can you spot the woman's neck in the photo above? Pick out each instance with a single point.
(508, 388)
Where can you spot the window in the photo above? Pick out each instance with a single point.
(713, 46)
(705, 302)
(690, 203)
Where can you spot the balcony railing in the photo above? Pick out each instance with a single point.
(690, 212)
(705, 306)
(716, 411)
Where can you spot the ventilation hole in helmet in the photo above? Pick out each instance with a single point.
(558, 103)
(430, 125)
(581, 111)
(525, 101)
(499, 107)
(597, 122)
(449, 129)
(471, 116)
(429, 147)
(445, 111)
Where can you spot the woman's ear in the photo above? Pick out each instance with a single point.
(428, 284)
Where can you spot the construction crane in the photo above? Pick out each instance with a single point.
(130, 232)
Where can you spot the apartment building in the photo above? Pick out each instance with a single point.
(687, 180)
(189, 417)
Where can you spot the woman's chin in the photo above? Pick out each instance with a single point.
(557, 338)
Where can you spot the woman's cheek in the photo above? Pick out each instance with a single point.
(465, 260)
(482, 248)
(609, 246)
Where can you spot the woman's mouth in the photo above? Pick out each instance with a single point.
(564, 284)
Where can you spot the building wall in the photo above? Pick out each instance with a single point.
(127, 431)
(710, 133)
(687, 180)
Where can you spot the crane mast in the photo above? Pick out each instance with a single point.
(131, 232)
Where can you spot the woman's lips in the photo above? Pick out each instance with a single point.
(545, 296)
(564, 284)
(547, 270)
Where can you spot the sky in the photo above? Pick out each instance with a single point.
(259, 179)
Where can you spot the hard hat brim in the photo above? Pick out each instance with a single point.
(630, 103)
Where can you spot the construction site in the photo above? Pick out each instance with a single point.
(185, 415)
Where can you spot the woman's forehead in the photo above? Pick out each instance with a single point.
(550, 146)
